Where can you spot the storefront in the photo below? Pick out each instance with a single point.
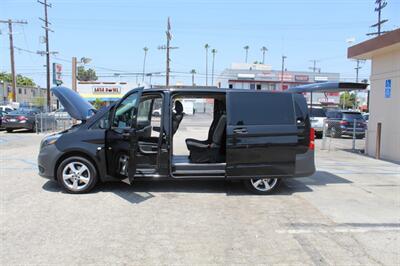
(106, 92)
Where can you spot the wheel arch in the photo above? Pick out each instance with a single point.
(80, 154)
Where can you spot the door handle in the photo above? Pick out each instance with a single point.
(240, 131)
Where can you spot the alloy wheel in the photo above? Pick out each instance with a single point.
(264, 184)
(76, 176)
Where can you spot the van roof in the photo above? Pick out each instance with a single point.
(205, 89)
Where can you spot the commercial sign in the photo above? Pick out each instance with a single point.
(286, 77)
(246, 76)
(388, 88)
(57, 74)
(301, 78)
(320, 78)
(106, 89)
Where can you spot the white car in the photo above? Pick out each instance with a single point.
(317, 117)
(6, 108)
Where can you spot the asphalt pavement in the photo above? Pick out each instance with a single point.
(347, 213)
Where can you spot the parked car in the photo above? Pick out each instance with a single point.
(341, 123)
(2, 114)
(257, 137)
(6, 108)
(317, 117)
(19, 119)
(366, 117)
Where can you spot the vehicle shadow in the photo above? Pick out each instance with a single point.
(143, 190)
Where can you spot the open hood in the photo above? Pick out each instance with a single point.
(73, 103)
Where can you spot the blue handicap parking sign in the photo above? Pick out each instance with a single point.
(388, 88)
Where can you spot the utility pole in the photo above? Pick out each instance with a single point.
(10, 33)
(246, 48)
(74, 68)
(145, 49)
(193, 71)
(47, 29)
(381, 5)
(167, 48)
(263, 50)
(213, 51)
(206, 46)
(283, 68)
(314, 68)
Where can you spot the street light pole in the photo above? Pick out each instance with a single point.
(283, 67)
(145, 49)
(246, 48)
(193, 71)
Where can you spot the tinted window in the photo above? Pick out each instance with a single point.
(352, 116)
(124, 115)
(317, 112)
(260, 108)
(334, 114)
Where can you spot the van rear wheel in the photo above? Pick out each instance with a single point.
(262, 186)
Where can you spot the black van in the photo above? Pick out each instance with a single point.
(257, 137)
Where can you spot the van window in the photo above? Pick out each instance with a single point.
(260, 108)
(126, 111)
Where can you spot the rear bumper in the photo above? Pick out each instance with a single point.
(305, 165)
(17, 125)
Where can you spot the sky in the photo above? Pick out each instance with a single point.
(113, 34)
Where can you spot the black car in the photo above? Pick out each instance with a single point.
(257, 137)
(21, 118)
(341, 123)
(2, 114)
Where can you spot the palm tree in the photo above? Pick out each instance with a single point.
(213, 51)
(145, 49)
(247, 51)
(206, 46)
(193, 71)
(263, 50)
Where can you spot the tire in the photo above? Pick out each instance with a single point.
(318, 135)
(9, 130)
(257, 185)
(360, 136)
(335, 133)
(77, 183)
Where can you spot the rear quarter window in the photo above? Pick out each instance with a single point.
(260, 108)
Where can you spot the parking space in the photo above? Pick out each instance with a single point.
(348, 212)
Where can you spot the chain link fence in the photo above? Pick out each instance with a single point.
(52, 122)
(344, 135)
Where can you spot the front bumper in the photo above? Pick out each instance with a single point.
(47, 159)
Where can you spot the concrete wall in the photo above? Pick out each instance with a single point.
(385, 110)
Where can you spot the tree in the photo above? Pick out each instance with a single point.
(98, 103)
(86, 74)
(348, 100)
(21, 80)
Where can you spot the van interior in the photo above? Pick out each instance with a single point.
(199, 121)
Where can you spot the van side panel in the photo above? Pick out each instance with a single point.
(261, 134)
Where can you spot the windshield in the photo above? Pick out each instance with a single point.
(318, 112)
(352, 116)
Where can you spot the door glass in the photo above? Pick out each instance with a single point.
(126, 111)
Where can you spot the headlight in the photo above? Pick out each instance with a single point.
(50, 140)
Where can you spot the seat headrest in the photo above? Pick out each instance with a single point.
(178, 107)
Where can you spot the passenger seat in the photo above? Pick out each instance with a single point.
(209, 151)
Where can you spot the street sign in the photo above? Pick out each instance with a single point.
(57, 74)
(388, 88)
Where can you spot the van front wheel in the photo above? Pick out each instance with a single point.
(262, 186)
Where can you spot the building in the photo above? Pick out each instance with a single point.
(103, 90)
(384, 102)
(262, 77)
(25, 95)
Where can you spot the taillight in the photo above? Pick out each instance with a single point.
(21, 118)
(311, 146)
(343, 122)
